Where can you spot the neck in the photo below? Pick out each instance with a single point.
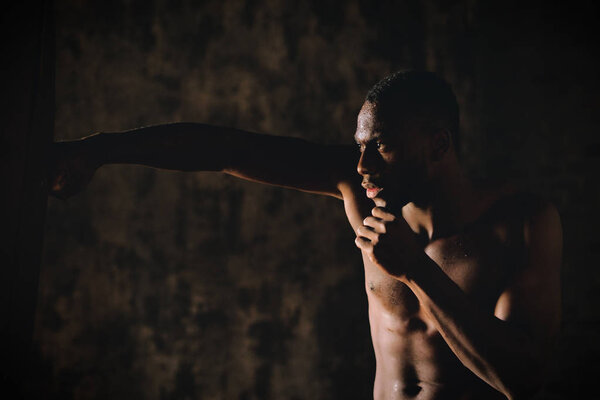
(451, 203)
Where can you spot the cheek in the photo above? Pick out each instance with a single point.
(394, 166)
(405, 166)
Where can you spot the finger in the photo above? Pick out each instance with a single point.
(379, 202)
(376, 223)
(367, 233)
(383, 214)
(363, 244)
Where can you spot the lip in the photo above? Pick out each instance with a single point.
(372, 192)
(371, 188)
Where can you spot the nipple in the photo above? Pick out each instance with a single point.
(416, 324)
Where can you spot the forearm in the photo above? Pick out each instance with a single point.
(277, 160)
(500, 354)
(176, 146)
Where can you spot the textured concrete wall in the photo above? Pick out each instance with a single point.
(165, 285)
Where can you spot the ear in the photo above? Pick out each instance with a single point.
(440, 144)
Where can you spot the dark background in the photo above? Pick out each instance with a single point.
(165, 285)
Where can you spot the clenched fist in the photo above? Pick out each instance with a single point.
(389, 242)
(71, 166)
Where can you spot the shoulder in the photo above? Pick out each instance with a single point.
(512, 204)
(527, 221)
(532, 299)
(536, 214)
(537, 226)
(542, 226)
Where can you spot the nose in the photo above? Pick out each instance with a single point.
(369, 162)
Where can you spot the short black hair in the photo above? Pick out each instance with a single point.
(418, 96)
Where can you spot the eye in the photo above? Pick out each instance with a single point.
(380, 145)
(360, 147)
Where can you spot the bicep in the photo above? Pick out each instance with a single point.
(291, 162)
(533, 301)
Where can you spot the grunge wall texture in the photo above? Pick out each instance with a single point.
(166, 285)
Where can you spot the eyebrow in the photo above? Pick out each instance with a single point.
(376, 135)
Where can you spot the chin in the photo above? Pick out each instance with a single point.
(393, 201)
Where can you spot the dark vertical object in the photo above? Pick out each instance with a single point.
(26, 130)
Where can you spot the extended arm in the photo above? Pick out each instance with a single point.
(276, 160)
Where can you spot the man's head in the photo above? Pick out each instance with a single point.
(407, 130)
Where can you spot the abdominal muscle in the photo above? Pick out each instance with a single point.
(413, 360)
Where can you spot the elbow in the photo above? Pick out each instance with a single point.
(519, 374)
(525, 383)
(523, 392)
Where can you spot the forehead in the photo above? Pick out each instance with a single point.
(368, 123)
(371, 125)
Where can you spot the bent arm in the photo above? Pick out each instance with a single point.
(510, 349)
(275, 160)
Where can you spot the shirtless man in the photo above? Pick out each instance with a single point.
(462, 280)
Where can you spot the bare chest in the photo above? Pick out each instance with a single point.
(481, 262)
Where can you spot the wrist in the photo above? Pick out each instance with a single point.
(420, 267)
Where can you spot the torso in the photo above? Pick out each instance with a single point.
(413, 360)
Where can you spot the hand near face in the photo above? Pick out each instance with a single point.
(389, 242)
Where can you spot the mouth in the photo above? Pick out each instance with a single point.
(372, 190)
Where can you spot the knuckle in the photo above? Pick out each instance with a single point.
(383, 227)
(360, 243)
